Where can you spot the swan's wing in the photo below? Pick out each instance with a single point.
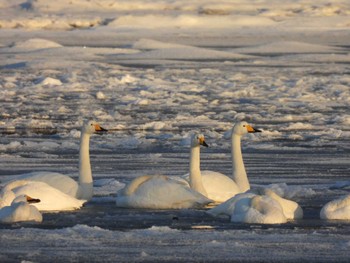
(338, 209)
(236, 203)
(59, 181)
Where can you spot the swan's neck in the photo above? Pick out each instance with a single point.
(195, 172)
(238, 170)
(85, 175)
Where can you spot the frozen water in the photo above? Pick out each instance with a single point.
(152, 72)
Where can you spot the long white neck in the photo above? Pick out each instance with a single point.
(195, 172)
(85, 176)
(238, 170)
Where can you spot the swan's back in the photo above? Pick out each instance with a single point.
(219, 187)
(262, 210)
(338, 209)
(159, 192)
(59, 181)
(51, 198)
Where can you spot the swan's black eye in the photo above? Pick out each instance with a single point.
(244, 126)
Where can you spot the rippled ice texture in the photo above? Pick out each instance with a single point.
(152, 72)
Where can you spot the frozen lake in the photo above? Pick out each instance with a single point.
(152, 78)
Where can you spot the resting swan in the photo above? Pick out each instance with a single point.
(218, 186)
(51, 199)
(162, 192)
(338, 209)
(264, 208)
(82, 189)
(19, 210)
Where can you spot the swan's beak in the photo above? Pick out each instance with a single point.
(250, 129)
(31, 200)
(99, 129)
(202, 142)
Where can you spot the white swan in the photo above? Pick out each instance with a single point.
(162, 192)
(218, 186)
(19, 210)
(265, 208)
(338, 209)
(51, 199)
(82, 189)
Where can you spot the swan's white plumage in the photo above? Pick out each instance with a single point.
(338, 209)
(249, 207)
(82, 189)
(20, 211)
(162, 192)
(291, 209)
(159, 192)
(51, 198)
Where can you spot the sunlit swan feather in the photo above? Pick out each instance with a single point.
(51, 199)
(264, 208)
(162, 192)
(82, 189)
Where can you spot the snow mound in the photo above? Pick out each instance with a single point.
(190, 21)
(145, 43)
(288, 47)
(49, 82)
(35, 43)
(185, 53)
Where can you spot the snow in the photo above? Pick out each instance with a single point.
(152, 72)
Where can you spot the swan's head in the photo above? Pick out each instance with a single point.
(91, 127)
(242, 127)
(197, 140)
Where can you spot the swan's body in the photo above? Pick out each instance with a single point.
(82, 189)
(338, 209)
(162, 192)
(159, 192)
(267, 208)
(51, 198)
(20, 210)
(218, 186)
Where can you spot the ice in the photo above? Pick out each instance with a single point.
(49, 82)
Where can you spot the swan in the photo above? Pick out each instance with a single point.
(51, 199)
(162, 192)
(82, 189)
(338, 209)
(19, 210)
(265, 207)
(218, 186)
